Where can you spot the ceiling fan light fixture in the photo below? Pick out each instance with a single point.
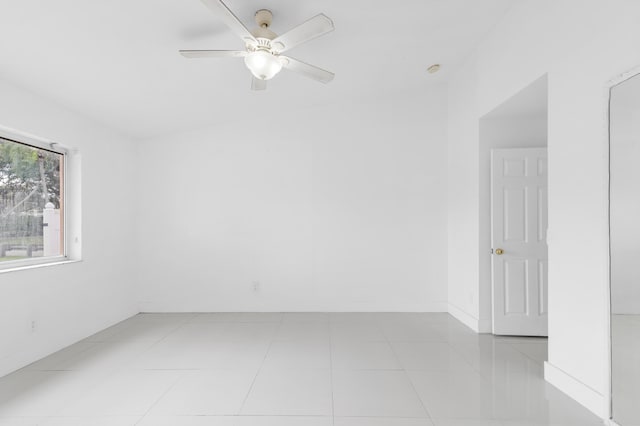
(262, 64)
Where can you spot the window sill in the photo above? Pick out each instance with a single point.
(39, 265)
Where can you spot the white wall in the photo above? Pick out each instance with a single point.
(463, 200)
(329, 209)
(580, 62)
(625, 199)
(69, 302)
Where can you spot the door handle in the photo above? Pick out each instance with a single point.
(499, 252)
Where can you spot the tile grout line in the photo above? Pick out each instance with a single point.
(273, 338)
(470, 364)
(406, 374)
(178, 379)
(182, 372)
(160, 397)
(179, 326)
(153, 345)
(514, 347)
(333, 410)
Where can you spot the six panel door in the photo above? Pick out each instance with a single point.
(519, 228)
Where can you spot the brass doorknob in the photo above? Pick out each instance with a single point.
(499, 251)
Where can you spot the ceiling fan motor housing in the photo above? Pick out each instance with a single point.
(264, 18)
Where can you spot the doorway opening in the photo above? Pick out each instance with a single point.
(520, 122)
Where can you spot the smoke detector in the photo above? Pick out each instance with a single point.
(433, 69)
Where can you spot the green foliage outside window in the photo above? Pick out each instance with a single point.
(29, 179)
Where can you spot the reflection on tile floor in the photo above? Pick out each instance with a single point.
(251, 369)
(625, 369)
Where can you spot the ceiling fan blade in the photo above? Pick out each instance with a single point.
(213, 53)
(257, 84)
(232, 21)
(307, 70)
(314, 27)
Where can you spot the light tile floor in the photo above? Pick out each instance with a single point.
(248, 369)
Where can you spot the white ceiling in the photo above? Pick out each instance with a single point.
(117, 62)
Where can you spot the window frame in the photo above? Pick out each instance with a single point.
(22, 138)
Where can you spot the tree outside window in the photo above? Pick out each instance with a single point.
(31, 201)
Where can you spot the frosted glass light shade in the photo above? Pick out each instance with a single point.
(263, 65)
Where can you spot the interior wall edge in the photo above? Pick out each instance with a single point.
(588, 397)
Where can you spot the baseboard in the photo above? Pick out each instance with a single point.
(435, 307)
(477, 325)
(610, 422)
(153, 307)
(591, 399)
(36, 351)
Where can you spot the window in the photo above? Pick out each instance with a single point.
(32, 207)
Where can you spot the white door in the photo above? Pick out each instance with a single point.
(519, 241)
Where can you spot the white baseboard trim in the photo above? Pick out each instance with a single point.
(37, 350)
(161, 307)
(591, 399)
(610, 422)
(477, 325)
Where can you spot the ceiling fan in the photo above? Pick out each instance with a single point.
(264, 48)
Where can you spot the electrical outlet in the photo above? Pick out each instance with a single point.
(255, 285)
(33, 326)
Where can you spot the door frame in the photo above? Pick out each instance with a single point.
(617, 80)
(503, 128)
